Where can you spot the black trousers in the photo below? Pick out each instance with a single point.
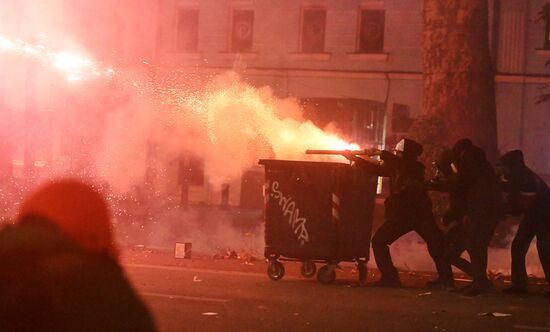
(527, 231)
(474, 238)
(392, 230)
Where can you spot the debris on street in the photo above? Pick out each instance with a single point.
(494, 275)
(494, 314)
(244, 255)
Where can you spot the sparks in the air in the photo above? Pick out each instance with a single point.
(202, 121)
(73, 66)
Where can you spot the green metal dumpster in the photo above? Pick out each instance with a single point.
(317, 212)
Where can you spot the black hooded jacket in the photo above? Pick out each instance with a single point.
(408, 199)
(527, 192)
(446, 181)
(477, 185)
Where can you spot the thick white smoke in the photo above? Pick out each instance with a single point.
(410, 253)
(228, 123)
(140, 119)
(131, 126)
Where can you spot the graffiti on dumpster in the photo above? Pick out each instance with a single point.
(288, 206)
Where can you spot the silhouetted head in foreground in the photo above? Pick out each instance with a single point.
(78, 211)
(58, 266)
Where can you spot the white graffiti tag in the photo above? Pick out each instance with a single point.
(290, 210)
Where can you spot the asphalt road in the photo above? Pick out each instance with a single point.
(245, 299)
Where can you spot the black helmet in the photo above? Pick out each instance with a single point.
(513, 159)
(409, 148)
(461, 146)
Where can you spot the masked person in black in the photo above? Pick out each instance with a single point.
(407, 208)
(478, 198)
(451, 224)
(527, 195)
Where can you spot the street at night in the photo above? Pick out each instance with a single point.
(228, 295)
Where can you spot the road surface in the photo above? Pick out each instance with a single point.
(227, 295)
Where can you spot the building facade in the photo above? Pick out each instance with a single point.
(363, 56)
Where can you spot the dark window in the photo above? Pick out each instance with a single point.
(401, 120)
(371, 31)
(252, 183)
(188, 30)
(313, 30)
(191, 171)
(357, 120)
(242, 31)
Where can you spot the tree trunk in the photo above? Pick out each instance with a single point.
(458, 72)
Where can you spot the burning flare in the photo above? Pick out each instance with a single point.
(73, 66)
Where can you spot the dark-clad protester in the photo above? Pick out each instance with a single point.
(408, 207)
(477, 192)
(59, 269)
(452, 221)
(527, 195)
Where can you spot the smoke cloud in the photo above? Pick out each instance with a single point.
(410, 253)
(75, 74)
(229, 124)
(141, 119)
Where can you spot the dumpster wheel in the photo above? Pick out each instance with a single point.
(275, 270)
(326, 274)
(308, 269)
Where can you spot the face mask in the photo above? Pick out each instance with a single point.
(503, 171)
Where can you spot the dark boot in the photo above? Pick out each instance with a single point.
(476, 289)
(447, 285)
(381, 241)
(387, 282)
(515, 290)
